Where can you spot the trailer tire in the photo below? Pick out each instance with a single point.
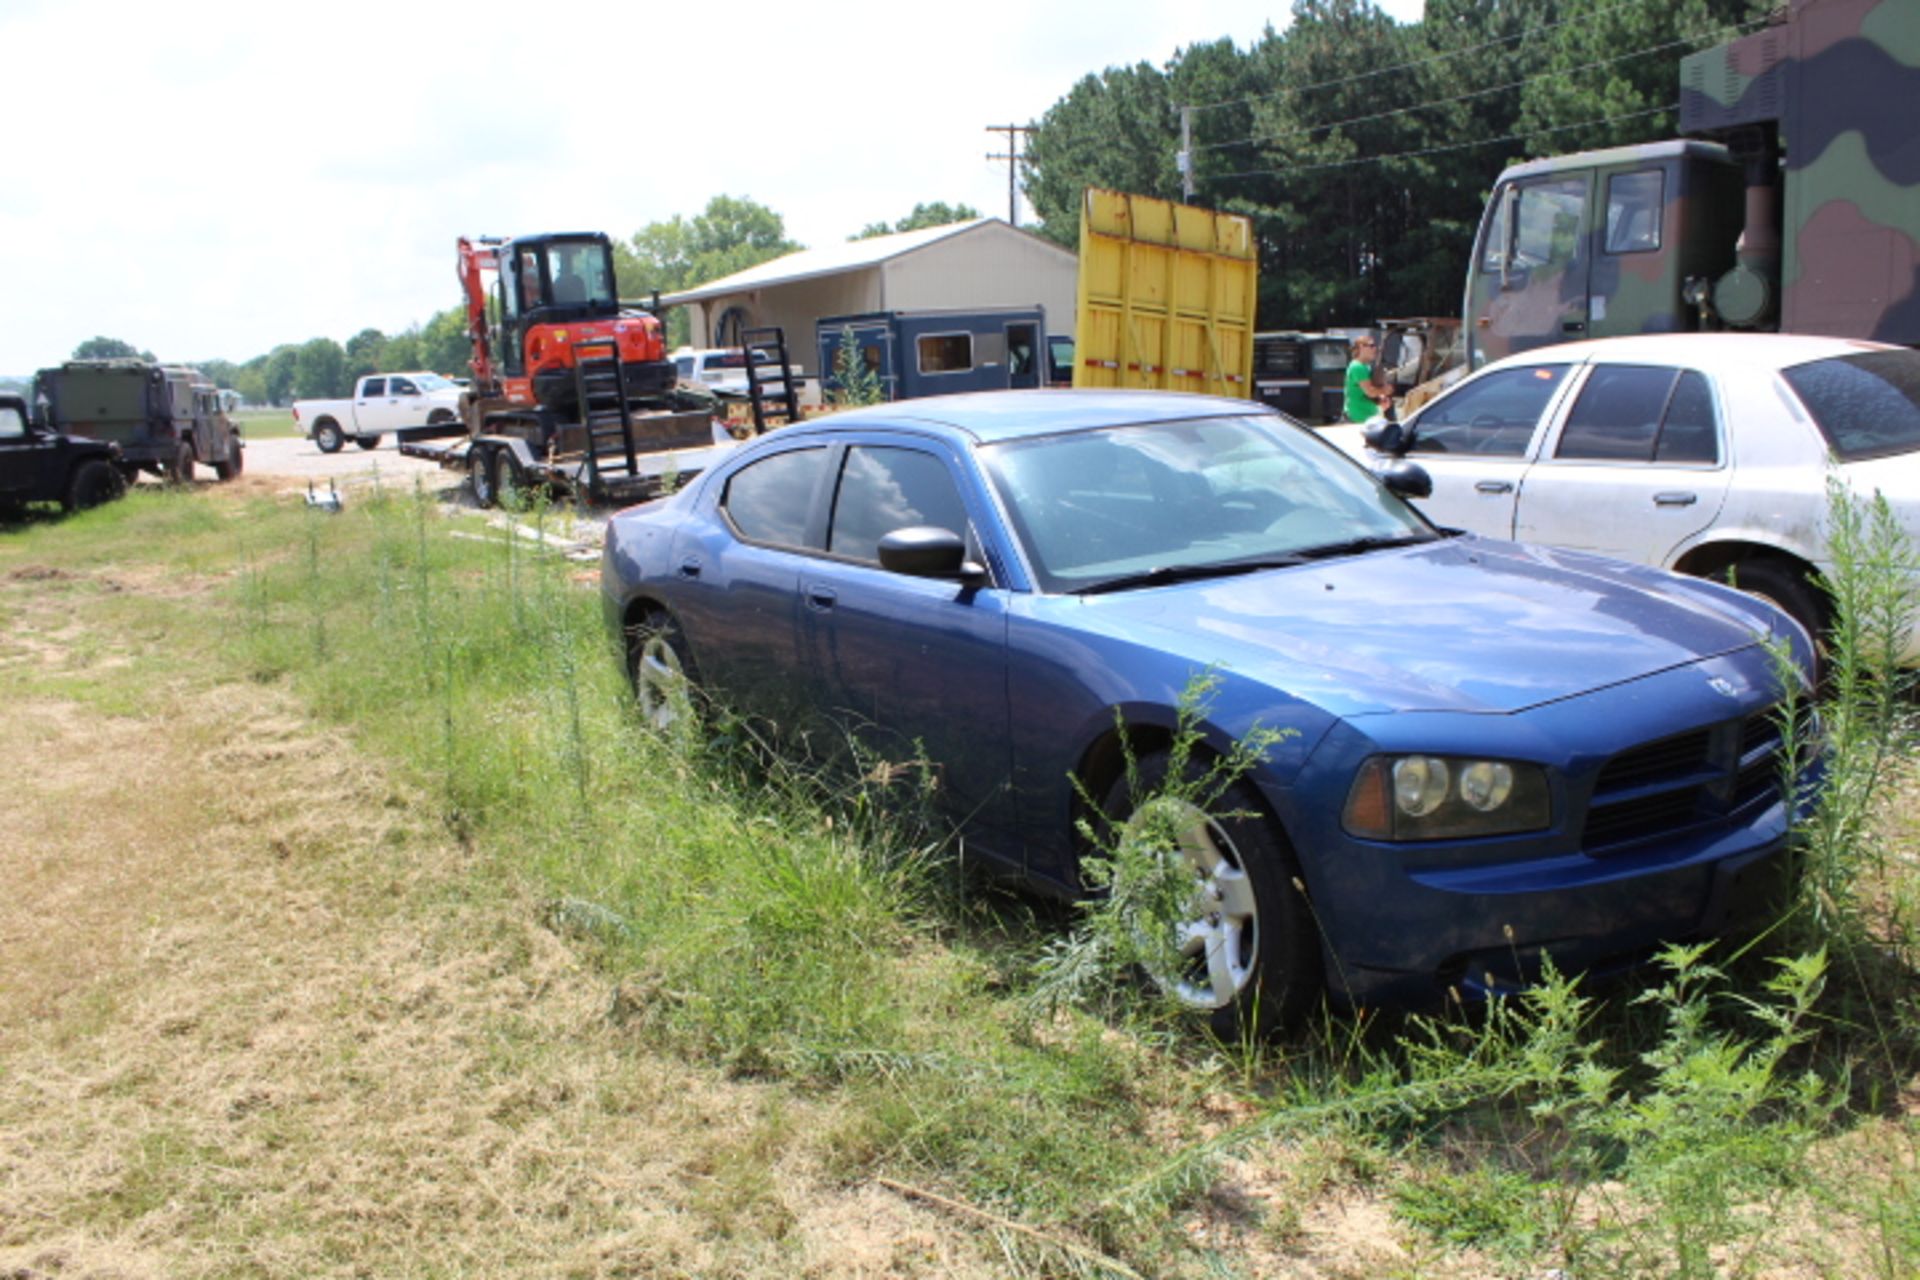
(327, 436)
(236, 460)
(509, 481)
(93, 482)
(480, 475)
(367, 442)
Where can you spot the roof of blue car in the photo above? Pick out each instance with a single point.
(988, 416)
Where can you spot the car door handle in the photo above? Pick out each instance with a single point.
(1675, 499)
(820, 598)
(1495, 486)
(689, 568)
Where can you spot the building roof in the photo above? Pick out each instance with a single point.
(829, 260)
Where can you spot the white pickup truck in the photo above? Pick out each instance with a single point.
(412, 406)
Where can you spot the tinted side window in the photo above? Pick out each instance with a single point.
(1493, 416)
(1688, 434)
(882, 490)
(374, 387)
(400, 387)
(1617, 417)
(946, 353)
(770, 500)
(1550, 222)
(1867, 405)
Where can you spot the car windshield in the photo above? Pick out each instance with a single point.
(431, 382)
(1867, 405)
(1125, 506)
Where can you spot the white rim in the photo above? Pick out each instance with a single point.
(1219, 940)
(660, 684)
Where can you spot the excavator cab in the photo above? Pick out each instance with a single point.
(547, 280)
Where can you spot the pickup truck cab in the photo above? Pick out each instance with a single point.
(411, 406)
(39, 464)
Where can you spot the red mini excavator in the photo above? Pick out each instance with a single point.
(561, 370)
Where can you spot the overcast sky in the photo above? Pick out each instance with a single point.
(209, 179)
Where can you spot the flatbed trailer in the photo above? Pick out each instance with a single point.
(603, 468)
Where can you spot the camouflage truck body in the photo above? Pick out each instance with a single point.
(1793, 205)
(164, 419)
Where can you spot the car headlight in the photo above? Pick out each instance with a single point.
(1420, 797)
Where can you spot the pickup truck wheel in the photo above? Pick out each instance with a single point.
(440, 418)
(480, 476)
(367, 442)
(236, 459)
(180, 470)
(1244, 952)
(327, 436)
(93, 482)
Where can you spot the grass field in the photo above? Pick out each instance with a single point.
(267, 424)
(416, 955)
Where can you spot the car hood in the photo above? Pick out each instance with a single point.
(1469, 624)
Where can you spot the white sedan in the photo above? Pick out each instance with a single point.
(1703, 453)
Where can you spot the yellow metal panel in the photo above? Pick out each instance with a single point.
(1167, 293)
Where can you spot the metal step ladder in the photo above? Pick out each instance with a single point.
(766, 352)
(600, 383)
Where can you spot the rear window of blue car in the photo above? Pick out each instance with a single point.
(771, 500)
(1867, 405)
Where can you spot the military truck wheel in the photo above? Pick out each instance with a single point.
(480, 476)
(180, 470)
(367, 442)
(327, 436)
(94, 482)
(236, 460)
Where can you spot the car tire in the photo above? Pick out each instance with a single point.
(236, 460)
(180, 469)
(1250, 951)
(367, 442)
(509, 484)
(1787, 586)
(660, 668)
(327, 436)
(480, 476)
(93, 482)
(440, 418)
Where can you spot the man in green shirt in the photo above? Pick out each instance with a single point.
(1365, 399)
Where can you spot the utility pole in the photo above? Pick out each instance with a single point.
(1183, 159)
(1012, 156)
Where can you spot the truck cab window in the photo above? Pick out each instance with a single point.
(1549, 222)
(12, 425)
(401, 387)
(1635, 203)
(1494, 416)
(373, 387)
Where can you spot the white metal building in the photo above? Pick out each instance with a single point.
(978, 264)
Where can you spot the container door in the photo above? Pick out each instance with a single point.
(1023, 356)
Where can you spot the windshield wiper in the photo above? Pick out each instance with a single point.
(1355, 546)
(1164, 574)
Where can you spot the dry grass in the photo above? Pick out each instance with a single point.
(257, 1019)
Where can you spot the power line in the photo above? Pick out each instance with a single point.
(1432, 151)
(1303, 130)
(1418, 62)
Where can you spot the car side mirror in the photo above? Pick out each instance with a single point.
(923, 551)
(1384, 435)
(1408, 479)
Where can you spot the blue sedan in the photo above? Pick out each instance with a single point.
(1485, 751)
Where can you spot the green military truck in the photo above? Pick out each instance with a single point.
(165, 420)
(1792, 204)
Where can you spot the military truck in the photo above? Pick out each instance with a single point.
(1792, 204)
(38, 464)
(165, 419)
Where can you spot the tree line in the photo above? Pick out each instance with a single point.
(1363, 149)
